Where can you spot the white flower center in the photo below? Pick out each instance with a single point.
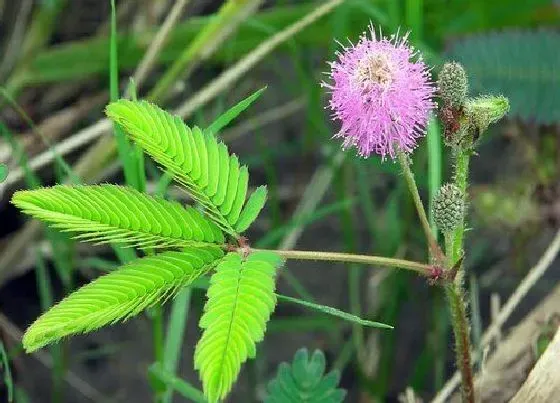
(374, 69)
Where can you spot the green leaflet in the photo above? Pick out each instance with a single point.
(252, 209)
(111, 213)
(240, 301)
(121, 294)
(304, 381)
(196, 159)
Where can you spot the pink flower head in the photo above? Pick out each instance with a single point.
(381, 96)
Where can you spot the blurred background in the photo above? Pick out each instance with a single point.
(200, 57)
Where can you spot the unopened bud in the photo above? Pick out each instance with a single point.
(453, 84)
(448, 207)
(486, 110)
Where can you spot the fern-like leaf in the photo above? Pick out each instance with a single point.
(304, 381)
(121, 294)
(521, 65)
(240, 300)
(197, 160)
(111, 213)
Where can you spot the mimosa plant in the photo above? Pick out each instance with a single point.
(382, 93)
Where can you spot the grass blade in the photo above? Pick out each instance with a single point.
(175, 334)
(47, 300)
(333, 312)
(123, 144)
(5, 367)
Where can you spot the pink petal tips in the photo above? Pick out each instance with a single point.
(381, 96)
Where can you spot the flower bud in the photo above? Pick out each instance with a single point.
(453, 84)
(483, 111)
(448, 207)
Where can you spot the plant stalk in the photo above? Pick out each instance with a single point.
(455, 291)
(158, 332)
(411, 183)
(461, 175)
(421, 268)
(461, 332)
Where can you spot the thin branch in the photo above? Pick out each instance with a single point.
(409, 176)
(420, 268)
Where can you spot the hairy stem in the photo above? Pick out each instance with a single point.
(420, 268)
(455, 292)
(462, 339)
(448, 237)
(411, 183)
(461, 175)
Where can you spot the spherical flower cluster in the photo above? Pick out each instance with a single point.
(381, 92)
(448, 207)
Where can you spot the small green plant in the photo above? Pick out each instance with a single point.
(376, 77)
(305, 381)
(241, 296)
(181, 244)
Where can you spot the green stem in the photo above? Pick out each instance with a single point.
(420, 268)
(454, 291)
(448, 236)
(158, 333)
(461, 175)
(462, 339)
(409, 176)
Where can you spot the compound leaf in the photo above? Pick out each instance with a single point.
(196, 159)
(111, 213)
(121, 294)
(240, 301)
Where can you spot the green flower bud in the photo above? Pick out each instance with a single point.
(453, 84)
(486, 110)
(448, 207)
